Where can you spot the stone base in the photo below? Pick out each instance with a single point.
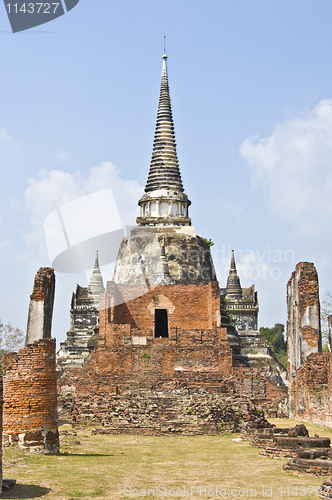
(45, 442)
(316, 467)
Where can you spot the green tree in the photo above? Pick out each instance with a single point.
(276, 340)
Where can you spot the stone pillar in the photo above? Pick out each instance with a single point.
(158, 208)
(30, 418)
(41, 306)
(303, 324)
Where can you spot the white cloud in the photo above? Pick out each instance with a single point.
(55, 188)
(62, 155)
(294, 165)
(5, 138)
(228, 205)
(4, 243)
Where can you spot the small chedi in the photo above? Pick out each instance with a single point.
(163, 330)
(30, 418)
(84, 323)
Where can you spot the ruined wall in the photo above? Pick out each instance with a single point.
(129, 358)
(180, 411)
(41, 306)
(29, 384)
(105, 390)
(192, 356)
(310, 370)
(312, 389)
(30, 417)
(303, 324)
(189, 306)
(181, 403)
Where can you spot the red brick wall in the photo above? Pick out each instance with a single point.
(88, 396)
(189, 306)
(312, 390)
(30, 397)
(310, 377)
(195, 356)
(303, 326)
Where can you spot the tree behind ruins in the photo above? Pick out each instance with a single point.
(11, 338)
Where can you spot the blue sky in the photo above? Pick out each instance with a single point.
(251, 89)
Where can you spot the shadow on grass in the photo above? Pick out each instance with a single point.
(22, 491)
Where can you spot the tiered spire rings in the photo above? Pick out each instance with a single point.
(164, 202)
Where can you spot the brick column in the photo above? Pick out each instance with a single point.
(30, 418)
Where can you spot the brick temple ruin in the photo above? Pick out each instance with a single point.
(155, 351)
(163, 328)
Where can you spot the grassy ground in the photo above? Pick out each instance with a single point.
(100, 467)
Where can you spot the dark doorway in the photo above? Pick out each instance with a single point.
(160, 323)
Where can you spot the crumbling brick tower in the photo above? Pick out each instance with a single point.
(30, 393)
(308, 368)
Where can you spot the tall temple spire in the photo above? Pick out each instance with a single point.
(164, 202)
(233, 288)
(96, 285)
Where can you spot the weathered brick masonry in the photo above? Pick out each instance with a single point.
(41, 306)
(129, 359)
(309, 369)
(312, 389)
(189, 306)
(30, 417)
(30, 398)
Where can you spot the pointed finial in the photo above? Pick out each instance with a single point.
(97, 260)
(233, 266)
(164, 71)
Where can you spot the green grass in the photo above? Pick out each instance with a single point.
(100, 467)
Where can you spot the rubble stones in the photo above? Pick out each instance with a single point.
(147, 412)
